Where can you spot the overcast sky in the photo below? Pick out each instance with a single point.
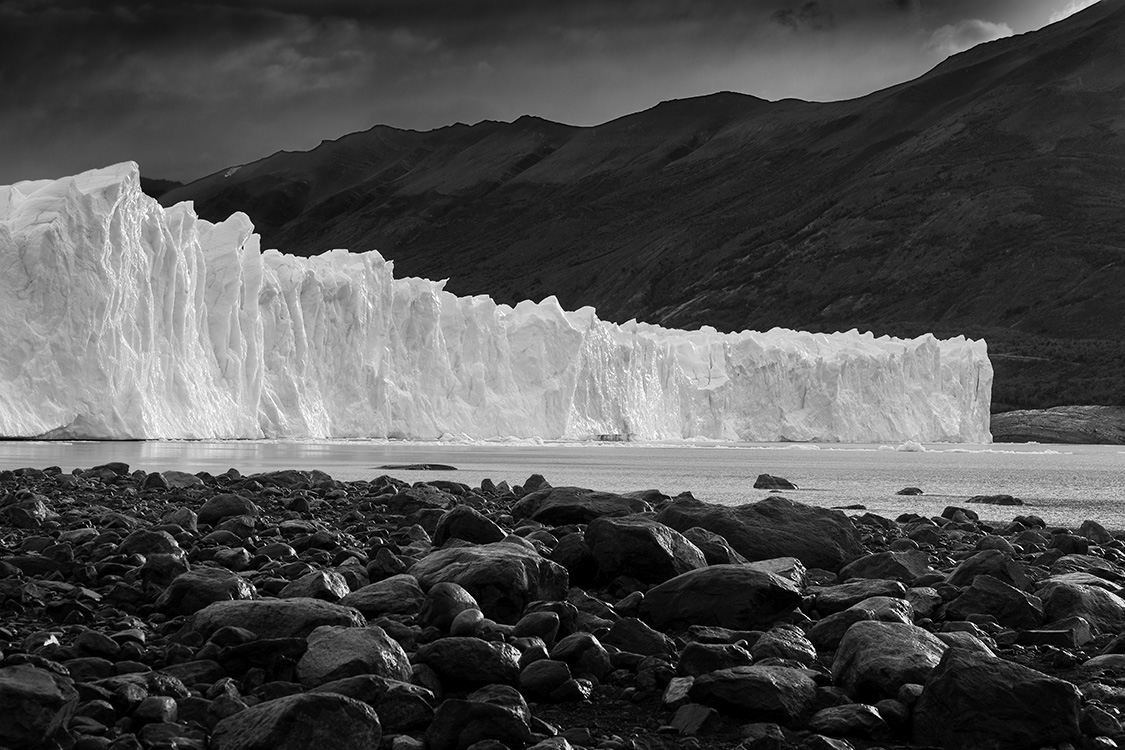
(187, 87)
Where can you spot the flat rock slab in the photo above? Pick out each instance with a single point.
(274, 618)
(774, 527)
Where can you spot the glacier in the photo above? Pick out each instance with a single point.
(120, 319)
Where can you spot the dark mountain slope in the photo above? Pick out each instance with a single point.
(985, 198)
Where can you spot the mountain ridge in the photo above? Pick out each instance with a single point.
(982, 198)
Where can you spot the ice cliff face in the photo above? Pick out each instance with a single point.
(121, 319)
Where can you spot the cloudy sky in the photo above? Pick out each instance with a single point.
(187, 87)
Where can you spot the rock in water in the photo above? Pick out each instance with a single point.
(774, 527)
(770, 482)
(973, 701)
(276, 345)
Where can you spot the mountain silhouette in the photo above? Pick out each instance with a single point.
(985, 198)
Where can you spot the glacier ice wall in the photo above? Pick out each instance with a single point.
(122, 319)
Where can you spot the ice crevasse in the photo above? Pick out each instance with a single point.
(122, 319)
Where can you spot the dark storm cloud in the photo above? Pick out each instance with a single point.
(191, 86)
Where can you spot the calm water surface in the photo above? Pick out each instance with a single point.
(1063, 484)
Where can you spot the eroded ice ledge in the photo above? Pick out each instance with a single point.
(122, 319)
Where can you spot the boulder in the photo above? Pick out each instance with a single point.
(700, 658)
(557, 506)
(632, 635)
(459, 724)
(336, 652)
(715, 548)
(471, 661)
(584, 654)
(875, 659)
(442, 605)
(225, 506)
(503, 577)
(35, 703)
(466, 522)
(758, 693)
(300, 722)
(729, 596)
(774, 527)
(274, 618)
(1102, 609)
(770, 482)
(827, 632)
(784, 642)
(990, 596)
(319, 584)
(850, 720)
(419, 497)
(642, 548)
(972, 701)
(903, 566)
(548, 681)
(401, 706)
(992, 562)
(192, 591)
(397, 595)
(832, 599)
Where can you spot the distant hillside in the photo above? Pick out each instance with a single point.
(155, 188)
(986, 198)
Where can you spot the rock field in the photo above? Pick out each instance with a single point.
(281, 611)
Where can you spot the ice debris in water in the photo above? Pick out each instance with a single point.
(123, 319)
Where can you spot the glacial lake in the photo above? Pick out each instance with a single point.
(1063, 484)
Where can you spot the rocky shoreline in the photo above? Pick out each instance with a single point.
(177, 611)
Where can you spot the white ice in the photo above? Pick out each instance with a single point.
(122, 319)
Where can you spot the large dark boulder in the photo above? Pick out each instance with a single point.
(1102, 609)
(503, 577)
(338, 652)
(640, 547)
(557, 506)
(758, 693)
(299, 722)
(875, 658)
(904, 566)
(274, 618)
(774, 527)
(35, 703)
(973, 701)
(465, 522)
(729, 596)
(192, 591)
(990, 596)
